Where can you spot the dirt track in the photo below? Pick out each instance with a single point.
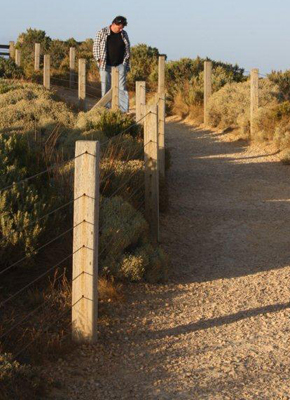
(221, 328)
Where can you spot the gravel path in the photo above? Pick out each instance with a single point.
(221, 328)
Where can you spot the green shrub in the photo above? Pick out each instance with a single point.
(26, 43)
(282, 80)
(109, 122)
(32, 108)
(125, 251)
(282, 134)
(22, 205)
(185, 79)
(144, 65)
(230, 106)
(124, 147)
(9, 70)
(21, 382)
(125, 177)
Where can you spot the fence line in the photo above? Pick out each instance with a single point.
(254, 75)
(88, 178)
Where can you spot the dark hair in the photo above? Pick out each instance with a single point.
(120, 21)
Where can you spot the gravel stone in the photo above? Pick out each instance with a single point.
(219, 329)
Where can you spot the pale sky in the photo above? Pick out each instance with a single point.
(252, 33)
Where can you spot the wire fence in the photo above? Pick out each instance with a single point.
(135, 194)
(128, 188)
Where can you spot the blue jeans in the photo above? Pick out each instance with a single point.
(106, 85)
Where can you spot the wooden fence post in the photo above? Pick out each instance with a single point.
(18, 57)
(254, 97)
(140, 100)
(46, 71)
(115, 88)
(82, 83)
(151, 170)
(37, 57)
(161, 133)
(161, 74)
(12, 50)
(85, 242)
(72, 66)
(207, 88)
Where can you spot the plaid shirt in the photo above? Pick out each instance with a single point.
(100, 48)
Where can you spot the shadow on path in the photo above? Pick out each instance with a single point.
(229, 214)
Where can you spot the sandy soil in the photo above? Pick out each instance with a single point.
(220, 328)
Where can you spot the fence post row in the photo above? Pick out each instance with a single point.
(207, 89)
(161, 133)
(140, 100)
(151, 170)
(161, 101)
(254, 97)
(18, 57)
(46, 72)
(115, 88)
(72, 66)
(85, 242)
(161, 74)
(82, 83)
(12, 50)
(37, 57)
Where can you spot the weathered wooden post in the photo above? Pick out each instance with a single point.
(85, 242)
(254, 97)
(46, 71)
(18, 57)
(12, 50)
(140, 100)
(82, 83)
(161, 133)
(37, 57)
(151, 170)
(115, 88)
(72, 66)
(161, 74)
(207, 88)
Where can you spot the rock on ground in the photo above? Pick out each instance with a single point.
(220, 329)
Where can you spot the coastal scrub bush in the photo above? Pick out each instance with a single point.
(144, 65)
(9, 70)
(21, 382)
(26, 43)
(125, 249)
(282, 80)
(24, 204)
(129, 176)
(31, 107)
(230, 106)
(108, 122)
(185, 79)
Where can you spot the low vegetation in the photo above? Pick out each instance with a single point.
(230, 108)
(37, 133)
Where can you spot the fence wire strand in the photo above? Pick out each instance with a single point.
(20, 322)
(39, 277)
(44, 172)
(46, 329)
(40, 248)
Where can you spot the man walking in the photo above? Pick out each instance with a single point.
(112, 49)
